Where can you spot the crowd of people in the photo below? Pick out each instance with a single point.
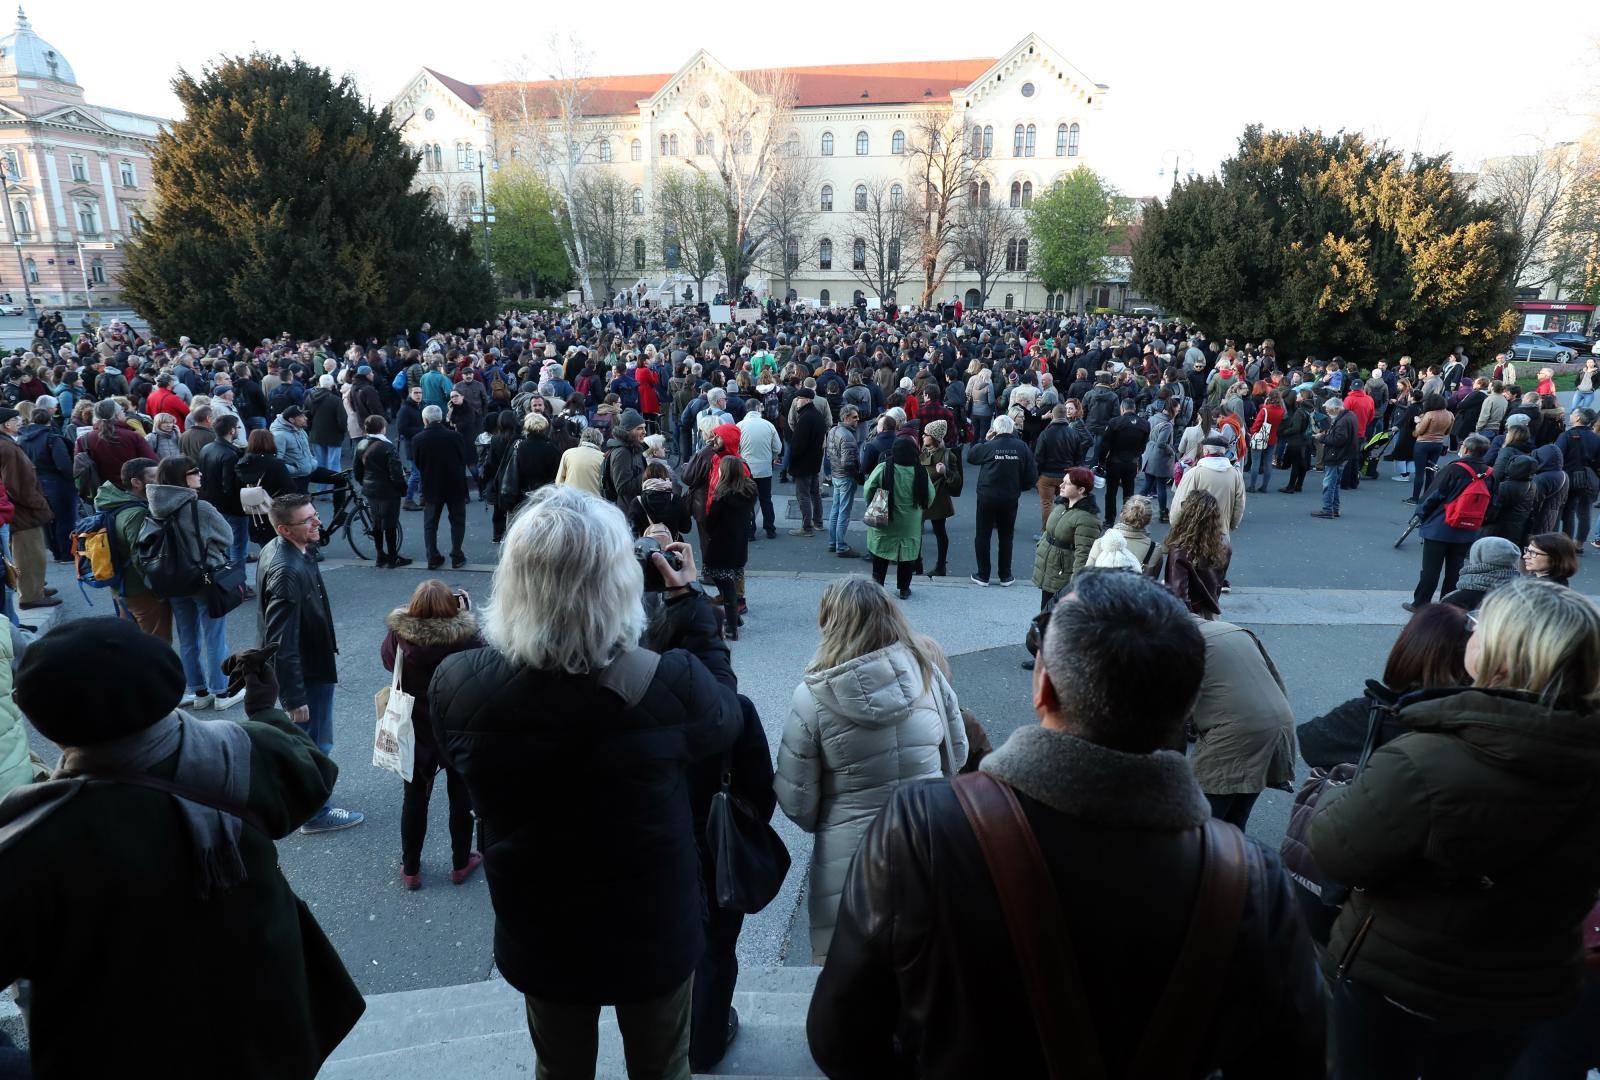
(950, 885)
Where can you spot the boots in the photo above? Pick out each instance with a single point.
(730, 620)
(938, 571)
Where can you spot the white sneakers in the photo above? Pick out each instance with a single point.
(196, 702)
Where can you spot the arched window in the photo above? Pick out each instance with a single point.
(711, 146)
(983, 193)
(464, 201)
(988, 140)
(1010, 301)
(862, 143)
(825, 256)
(24, 218)
(605, 149)
(636, 150)
(827, 144)
(1061, 140)
(861, 196)
(33, 271)
(747, 142)
(89, 218)
(823, 298)
(858, 255)
(671, 251)
(1027, 194)
(897, 143)
(1016, 141)
(638, 253)
(1016, 195)
(438, 158)
(129, 179)
(97, 271)
(827, 197)
(672, 145)
(663, 144)
(791, 254)
(464, 158)
(1072, 141)
(436, 199)
(1022, 254)
(972, 193)
(699, 144)
(897, 195)
(977, 142)
(638, 202)
(1028, 141)
(894, 253)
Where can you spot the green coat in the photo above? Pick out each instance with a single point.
(1471, 841)
(1064, 548)
(106, 922)
(946, 487)
(16, 768)
(901, 539)
(128, 527)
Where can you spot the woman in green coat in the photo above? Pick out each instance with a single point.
(1071, 530)
(944, 474)
(899, 540)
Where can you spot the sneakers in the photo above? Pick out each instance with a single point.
(474, 860)
(195, 702)
(220, 702)
(846, 552)
(905, 594)
(833, 547)
(1409, 502)
(409, 505)
(457, 561)
(412, 882)
(332, 820)
(398, 561)
(976, 580)
(803, 532)
(1401, 479)
(1007, 582)
(772, 534)
(1408, 606)
(435, 564)
(1327, 515)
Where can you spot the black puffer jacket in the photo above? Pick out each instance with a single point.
(1514, 500)
(922, 980)
(584, 811)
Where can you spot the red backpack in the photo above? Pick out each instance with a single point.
(1468, 509)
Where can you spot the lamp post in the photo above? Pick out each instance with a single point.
(1177, 157)
(487, 213)
(16, 241)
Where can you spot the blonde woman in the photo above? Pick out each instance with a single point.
(1485, 813)
(875, 709)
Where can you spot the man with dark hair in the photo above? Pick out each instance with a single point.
(129, 510)
(1123, 445)
(932, 965)
(1445, 546)
(294, 616)
(219, 480)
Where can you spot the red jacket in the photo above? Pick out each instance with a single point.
(108, 455)
(1272, 414)
(1362, 405)
(165, 401)
(649, 402)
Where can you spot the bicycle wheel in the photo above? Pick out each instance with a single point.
(359, 530)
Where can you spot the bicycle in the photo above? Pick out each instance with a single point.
(353, 515)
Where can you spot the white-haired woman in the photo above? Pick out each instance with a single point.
(1483, 818)
(163, 437)
(574, 745)
(875, 709)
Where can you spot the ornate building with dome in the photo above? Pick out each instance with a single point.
(75, 177)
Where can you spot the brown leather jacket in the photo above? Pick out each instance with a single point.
(22, 484)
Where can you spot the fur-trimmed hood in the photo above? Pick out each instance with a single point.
(462, 626)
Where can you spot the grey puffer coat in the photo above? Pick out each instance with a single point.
(854, 733)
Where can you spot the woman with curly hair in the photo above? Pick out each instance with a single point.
(1198, 555)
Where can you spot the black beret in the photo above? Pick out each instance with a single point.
(91, 680)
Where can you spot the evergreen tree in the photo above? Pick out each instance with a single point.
(1331, 244)
(284, 202)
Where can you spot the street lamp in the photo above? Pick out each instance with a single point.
(16, 241)
(1177, 157)
(487, 212)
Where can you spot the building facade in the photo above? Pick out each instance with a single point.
(1030, 117)
(75, 177)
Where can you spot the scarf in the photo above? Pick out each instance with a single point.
(213, 757)
(658, 484)
(1484, 577)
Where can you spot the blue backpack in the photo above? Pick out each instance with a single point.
(97, 550)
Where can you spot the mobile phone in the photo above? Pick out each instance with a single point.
(463, 600)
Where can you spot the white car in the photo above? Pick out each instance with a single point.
(10, 309)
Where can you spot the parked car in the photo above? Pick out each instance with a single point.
(1568, 339)
(10, 309)
(1541, 349)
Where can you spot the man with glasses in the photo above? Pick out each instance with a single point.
(296, 618)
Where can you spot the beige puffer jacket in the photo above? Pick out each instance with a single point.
(853, 733)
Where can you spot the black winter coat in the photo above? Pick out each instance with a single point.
(1061, 446)
(660, 508)
(1514, 500)
(805, 442)
(378, 470)
(219, 477)
(442, 459)
(726, 532)
(584, 811)
(293, 612)
(329, 425)
(538, 461)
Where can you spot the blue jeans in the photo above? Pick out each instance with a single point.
(63, 500)
(196, 629)
(413, 477)
(844, 497)
(327, 457)
(1158, 486)
(240, 547)
(1583, 399)
(5, 553)
(319, 728)
(1330, 487)
(1260, 469)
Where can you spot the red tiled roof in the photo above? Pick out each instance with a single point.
(815, 87)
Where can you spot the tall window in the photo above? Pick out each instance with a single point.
(861, 144)
(1011, 301)
(671, 252)
(97, 272)
(1012, 256)
(1027, 193)
(977, 142)
(89, 218)
(638, 203)
(825, 255)
(897, 196)
(983, 193)
(1016, 141)
(438, 158)
(672, 144)
(827, 144)
(605, 149)
(897, 143)
(827, 197)
(747, 143)
(663, 145)
(822, 298)
(861, 196)
(638, 253)
(791, 254)
(1029, 140)
(128, 178)
(1061, 140)
(1072, 141)
(636, 150)
(988, 140)
(20, 214)
(80, 170)
(13, 164)
(699, 144)
(464, 155)
(33, 271)
(1016, 195)
(1022, 254)
(894, 253)
(858, 255)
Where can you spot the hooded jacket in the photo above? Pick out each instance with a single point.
(294, 448)
(1514, 500)
(854, 732)
(1245, 724)
(425, 643)
(204, 526)
(1471, 840)
(1550, 484)
(1225, 483)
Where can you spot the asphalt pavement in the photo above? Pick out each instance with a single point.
(1323, 595)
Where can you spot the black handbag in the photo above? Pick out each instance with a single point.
(223, 588)
(749, 859)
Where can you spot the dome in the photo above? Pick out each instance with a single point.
(26, 54)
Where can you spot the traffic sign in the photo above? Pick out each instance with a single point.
(98, 247)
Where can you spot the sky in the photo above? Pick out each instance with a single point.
(1471, 78)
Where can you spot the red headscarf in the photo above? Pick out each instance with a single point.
(729, 434)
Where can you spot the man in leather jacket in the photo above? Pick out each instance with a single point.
(922, 977)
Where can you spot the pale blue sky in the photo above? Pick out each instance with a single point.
(1474, 78)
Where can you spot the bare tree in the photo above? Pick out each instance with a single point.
(788, 216)
(545, 122)
(989, 233)
(748, 118)
(1530, 190)
(886, 230)
(941, 170)
(691, 223)
(604, 226)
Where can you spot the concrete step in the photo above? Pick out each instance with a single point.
(480, 1030)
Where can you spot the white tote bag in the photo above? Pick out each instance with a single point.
(394, 743)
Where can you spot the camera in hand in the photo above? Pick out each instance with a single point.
(643, 548)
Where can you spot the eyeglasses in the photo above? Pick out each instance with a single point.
(192, 472)
(1535, 553)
